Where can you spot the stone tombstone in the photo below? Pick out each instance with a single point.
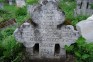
(1, 5)
(20, 3)
(45, 36)
(83, 7)
(10, 2)
(85, 27)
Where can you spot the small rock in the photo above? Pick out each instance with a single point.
(85, 28)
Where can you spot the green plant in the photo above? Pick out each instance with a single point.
(5, 15)
(69, 0)
(1, 36)
(68, 8)
(91, 5)
(7, 32)
(32, 1)
(77, 19)
(21, 11)
(11, 50)
(1, 0)
(1, 19)
(2, 11)
(81, 50)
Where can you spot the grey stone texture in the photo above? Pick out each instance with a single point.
(83, 7)
(45, 36)
(20, 3)
(30, 8)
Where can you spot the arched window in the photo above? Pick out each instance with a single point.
(57, 49)
(36, 48)
(87, 5)
(81, 5)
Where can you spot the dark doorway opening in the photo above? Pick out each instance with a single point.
(36, 48)
(81, 5)
(87, 5)
(57, 49)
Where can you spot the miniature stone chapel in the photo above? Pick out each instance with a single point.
(46, 36)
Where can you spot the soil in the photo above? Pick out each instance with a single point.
(70, 58)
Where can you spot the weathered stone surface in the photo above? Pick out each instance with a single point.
(83, 7)
(43, 1)
(46, 37)
(20, 3)
(30, 8)
(85, 28)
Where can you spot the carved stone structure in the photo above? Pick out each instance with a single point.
(83, 7)
(20, 3)
(45, 36)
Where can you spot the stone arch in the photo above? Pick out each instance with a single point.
(57, 49)
(36, 48)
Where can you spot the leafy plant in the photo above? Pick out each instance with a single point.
(77, 19)
(69, 0)
(21, 11)
(1, 0)
(81, 50)
(1, 36)
(2, 11)
(7, 32)
(11, 50)
(32, 1)
(5, 15)
(68, 8)
(91, 5)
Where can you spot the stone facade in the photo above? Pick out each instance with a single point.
(83, 7)
(45, 36)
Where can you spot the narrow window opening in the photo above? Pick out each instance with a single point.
(36, 48)
(80, 5)
(87, 5)
(57, 49)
